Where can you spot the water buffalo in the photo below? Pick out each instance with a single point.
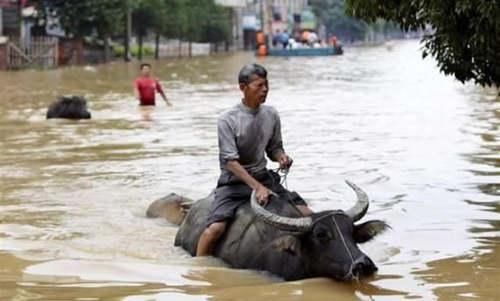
(278, 239)
(69, 107)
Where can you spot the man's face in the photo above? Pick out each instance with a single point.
(146, 71)
(256, 90)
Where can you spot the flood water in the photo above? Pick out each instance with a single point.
(73, 195)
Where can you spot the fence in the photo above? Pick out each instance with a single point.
(39, 52)
(176, 48)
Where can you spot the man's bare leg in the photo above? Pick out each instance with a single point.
(304, 210)
(209, 238)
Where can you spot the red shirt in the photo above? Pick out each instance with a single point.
(147, 86)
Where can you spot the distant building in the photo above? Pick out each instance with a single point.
(9, 18)
(21, 44)
(273, 15)
(251, 16)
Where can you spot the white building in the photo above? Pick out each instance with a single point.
(291, 6)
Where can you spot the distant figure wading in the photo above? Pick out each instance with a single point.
(146, 86)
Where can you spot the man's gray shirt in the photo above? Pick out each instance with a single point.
(245, 134)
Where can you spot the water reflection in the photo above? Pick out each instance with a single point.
(475, 274)
(70, 277)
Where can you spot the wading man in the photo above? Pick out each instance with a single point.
(146, 86)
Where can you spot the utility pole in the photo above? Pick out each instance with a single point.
(265, 21)
(128, 31)
(21, 27)
(262, 16)
(1, 22)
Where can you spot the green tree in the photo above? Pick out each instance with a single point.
(464, 37)
(192, 20)
(332, 14)
(85, 18)
(207, 21)
(155, 16)
(143, 20)
(105, 25)
(216, 26)
(175, 23)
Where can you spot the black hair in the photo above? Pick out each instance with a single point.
(145, 65)
(248, 70)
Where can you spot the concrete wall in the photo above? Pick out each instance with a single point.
(232, 3)
(172, 48)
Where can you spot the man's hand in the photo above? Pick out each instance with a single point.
(262, 193)
(285, 161)
(167, 102)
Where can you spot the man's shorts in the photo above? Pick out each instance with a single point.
(228, 197)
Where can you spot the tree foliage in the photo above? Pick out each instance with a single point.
(464, 35)
(84, 18)
(194, 20)
(332, 14)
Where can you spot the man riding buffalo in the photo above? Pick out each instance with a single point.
(251, 221)
(246, 132)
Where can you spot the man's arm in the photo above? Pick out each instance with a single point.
(160, 90)
(274, 148)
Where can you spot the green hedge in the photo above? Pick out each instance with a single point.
(146, 51)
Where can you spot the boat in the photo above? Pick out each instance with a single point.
(306, 51)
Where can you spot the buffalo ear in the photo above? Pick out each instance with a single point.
(287, 243)
(366, 231)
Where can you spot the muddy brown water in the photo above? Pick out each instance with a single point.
(73, 195)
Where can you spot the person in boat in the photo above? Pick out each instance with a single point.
(312, 39)
(284, 39)
(276, 38)
(333, 41)
(304, 39)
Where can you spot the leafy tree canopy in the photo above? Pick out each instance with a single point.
(464, 36)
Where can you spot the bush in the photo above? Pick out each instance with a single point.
(119, 51)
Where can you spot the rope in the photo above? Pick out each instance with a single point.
(343, 240)
(283, 172)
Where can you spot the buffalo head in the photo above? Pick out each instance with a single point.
(74, 107)
(326, 242)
